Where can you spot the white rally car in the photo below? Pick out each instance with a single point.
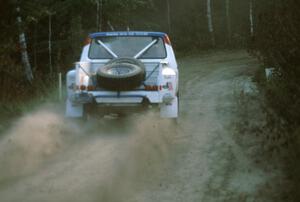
(124, 70)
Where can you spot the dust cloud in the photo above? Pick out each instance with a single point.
(33, 138)
(147, 151)
(104, 159)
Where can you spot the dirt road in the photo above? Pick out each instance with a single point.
(45, 158)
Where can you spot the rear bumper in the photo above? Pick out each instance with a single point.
(111, 97)
(81, 102)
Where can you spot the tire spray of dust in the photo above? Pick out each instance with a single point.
(145, 156)
(124, 156)
(29, 142)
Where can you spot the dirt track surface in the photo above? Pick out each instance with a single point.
(141, 158)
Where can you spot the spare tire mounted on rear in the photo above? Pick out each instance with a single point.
(121, 74)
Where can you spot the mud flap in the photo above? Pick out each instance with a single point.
(169, 110)
(73, 111)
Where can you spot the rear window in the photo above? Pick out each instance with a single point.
(127, 46)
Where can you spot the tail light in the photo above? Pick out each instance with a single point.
(88, 88)
(87, 41)
(167, 40)
(83, 87)
(153, 88)
(91, 88)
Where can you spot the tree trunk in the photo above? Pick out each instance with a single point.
(251, 18)
(99, 14)
(50, 43)
(228, 20)
(169, 16)
(35, 45)
(110, 26)
(76, 35)
(210, 23)
(23, 46)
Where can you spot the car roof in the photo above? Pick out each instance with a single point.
(127, 33)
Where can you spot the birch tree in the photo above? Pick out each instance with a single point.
(23, 46)
(210, 23)
(228, 21)
(251, 18)
(169, 15)
(99, 5)
(49, 13)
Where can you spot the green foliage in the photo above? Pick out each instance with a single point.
(278, 42)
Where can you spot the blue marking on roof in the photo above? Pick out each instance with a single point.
(129, 33)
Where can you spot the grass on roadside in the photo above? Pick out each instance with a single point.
(11, 109)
